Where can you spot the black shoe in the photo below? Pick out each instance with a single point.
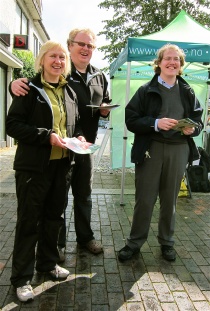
(168, 252)
(126, 253)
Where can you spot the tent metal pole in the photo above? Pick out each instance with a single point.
(125, 135)
(206, 135)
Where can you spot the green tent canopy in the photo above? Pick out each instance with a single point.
(134, 67)
(184, 31)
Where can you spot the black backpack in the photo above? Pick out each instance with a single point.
(204, 158)
(198, 178)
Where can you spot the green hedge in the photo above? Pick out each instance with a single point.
(28, 64)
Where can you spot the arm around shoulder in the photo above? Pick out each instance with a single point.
(19, 87)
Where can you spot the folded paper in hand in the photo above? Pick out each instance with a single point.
(184, 123)
(78, 146)
(108, 107)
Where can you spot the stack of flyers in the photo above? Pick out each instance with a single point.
(184, 123)
(78, 146)
(108, 107)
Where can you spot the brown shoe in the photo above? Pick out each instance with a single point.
(94, 247)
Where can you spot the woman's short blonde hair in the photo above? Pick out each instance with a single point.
(46, 47)
(75, 31)
(160, 53)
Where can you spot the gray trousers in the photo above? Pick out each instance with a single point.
(161, 176)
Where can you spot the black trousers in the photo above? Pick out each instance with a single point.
(41, 198)
(81, 183)
(63, 229)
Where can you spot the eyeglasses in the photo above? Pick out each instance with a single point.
(83, 44)
(175, 59)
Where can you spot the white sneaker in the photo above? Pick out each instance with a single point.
(59, 272)
(25, 292)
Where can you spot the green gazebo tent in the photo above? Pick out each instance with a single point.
(133, 67)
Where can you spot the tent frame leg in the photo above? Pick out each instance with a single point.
(102, 148)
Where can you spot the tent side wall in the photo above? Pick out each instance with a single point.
(118, 93)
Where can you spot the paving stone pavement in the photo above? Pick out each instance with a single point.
(101, 282)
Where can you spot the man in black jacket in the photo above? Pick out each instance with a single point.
(91, 87)
(159, 152)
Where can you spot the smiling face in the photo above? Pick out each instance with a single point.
(170, 64)
(81, 55)
(53, 63)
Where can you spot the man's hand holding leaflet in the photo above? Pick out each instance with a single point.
(184, 123)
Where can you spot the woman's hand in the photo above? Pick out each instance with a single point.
(56, 140)
(81, 138)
